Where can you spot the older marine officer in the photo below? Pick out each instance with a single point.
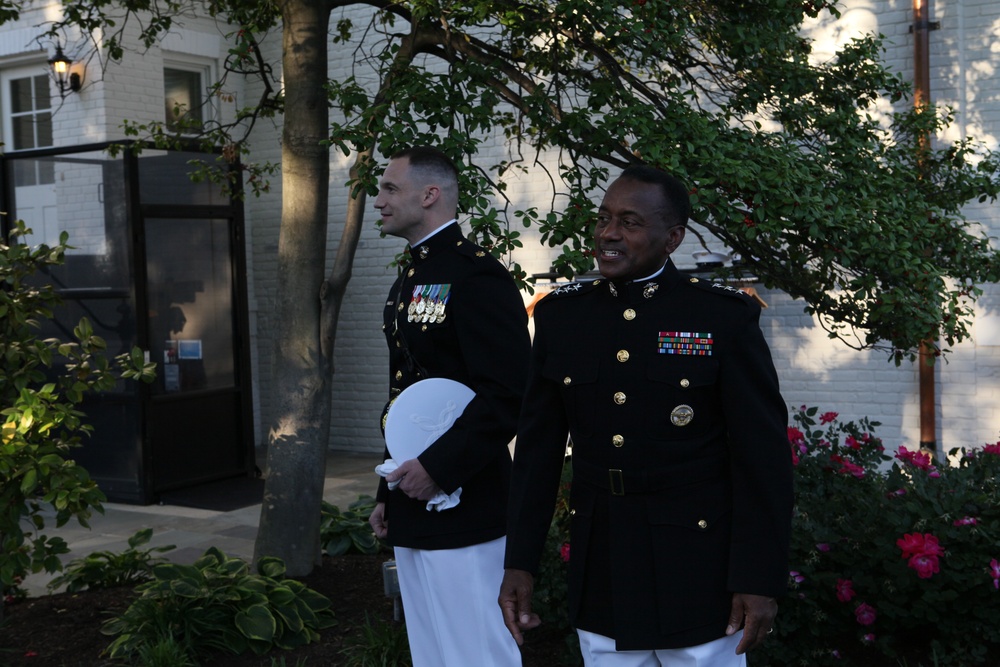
(682, 480)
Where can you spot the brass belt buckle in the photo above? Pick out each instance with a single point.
(617, 483)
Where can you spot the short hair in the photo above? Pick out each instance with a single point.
(430, 161)
(675, 193)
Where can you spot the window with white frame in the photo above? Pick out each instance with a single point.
(185, 97)
(26, 101)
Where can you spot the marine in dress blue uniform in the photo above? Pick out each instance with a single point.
(681, 496)
(455, 313)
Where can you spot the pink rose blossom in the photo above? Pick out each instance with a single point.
(992, 449)
(868, 638)
(796, 577)
(852, 442)
(918, 545)
(564, 552)
(827, 417)
(926, 565)
(845, 590)
(823, 546)
(965, 521)
(995, 573)
(795, 436)
(848, 468)
(865, 614)
(917, 459)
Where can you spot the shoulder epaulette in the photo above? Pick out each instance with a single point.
(469, 249)
(720, 288)
(576, 287)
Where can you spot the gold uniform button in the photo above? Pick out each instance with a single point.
(567, 380)
(629, 314)
(399, 308)
(685, 383)
(694, 280)
(423, 328)
(399, 375)
(617, 440)
(622, 356)
(572, 512)
(409, 274)
(620, 397)
(703, 524)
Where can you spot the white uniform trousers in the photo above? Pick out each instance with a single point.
(450, 606)
(599, 651)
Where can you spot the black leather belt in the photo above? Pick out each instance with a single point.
(616, 481)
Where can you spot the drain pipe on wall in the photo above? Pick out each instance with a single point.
(922, 97)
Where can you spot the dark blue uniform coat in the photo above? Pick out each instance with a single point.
(477, 336)
(682, 478)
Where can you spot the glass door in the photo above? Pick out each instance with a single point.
(195, 425)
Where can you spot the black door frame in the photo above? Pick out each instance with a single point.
(143, 491)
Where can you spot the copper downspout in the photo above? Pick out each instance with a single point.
(921, 98)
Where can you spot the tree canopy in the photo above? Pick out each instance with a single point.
(801, 167)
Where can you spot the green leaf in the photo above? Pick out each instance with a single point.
(256, 623)
(29, 482)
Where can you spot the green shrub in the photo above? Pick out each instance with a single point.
(167, 652)
(41, 383)
(343, 532)
(380, 644)
(216, 604)
(894, 559)
(105, 569)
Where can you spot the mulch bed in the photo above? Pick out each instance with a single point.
(63, 630)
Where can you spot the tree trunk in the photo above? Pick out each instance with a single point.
(297, 440)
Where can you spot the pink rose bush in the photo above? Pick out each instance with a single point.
(894, 553)
(923, 552)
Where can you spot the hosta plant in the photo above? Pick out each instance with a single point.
(348, 531)
(106, 569)
(218, 605)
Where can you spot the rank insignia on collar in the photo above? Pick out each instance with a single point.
(424, 251)
(650, 289)
(685, 342)
(565, 289)
(728, 288)
(614, 290)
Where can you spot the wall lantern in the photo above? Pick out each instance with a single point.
(66, 80)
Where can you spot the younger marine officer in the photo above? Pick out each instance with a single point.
(453, 313)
